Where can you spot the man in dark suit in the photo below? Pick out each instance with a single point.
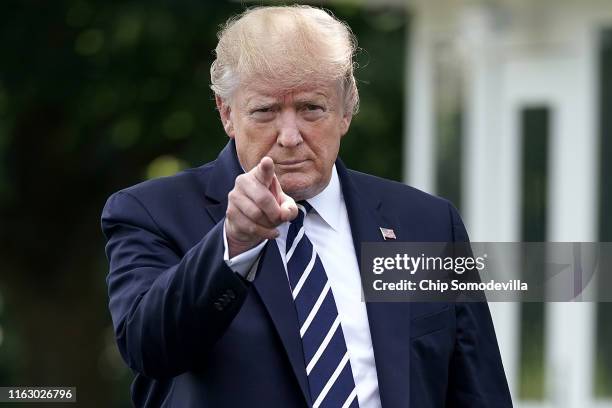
(236, 284)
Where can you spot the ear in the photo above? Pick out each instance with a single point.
(225, 114)
(345, 123)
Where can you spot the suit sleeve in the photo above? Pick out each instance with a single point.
(167, 310)
(476, 375)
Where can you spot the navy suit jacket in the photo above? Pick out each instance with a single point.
(198, 335)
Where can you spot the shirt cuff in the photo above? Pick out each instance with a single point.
(244, 264)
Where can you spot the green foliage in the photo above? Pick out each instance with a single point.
(374, 143)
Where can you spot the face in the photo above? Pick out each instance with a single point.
(299, 130)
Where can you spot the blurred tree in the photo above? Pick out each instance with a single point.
(96, 96)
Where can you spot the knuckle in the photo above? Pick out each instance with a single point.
(251, 229)
(261, 198)
(248, 211)
(256, 213)
(240, 180)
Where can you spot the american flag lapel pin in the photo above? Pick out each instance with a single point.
(387, 233)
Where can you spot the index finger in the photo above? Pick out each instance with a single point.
(287, 205)
(264, 171)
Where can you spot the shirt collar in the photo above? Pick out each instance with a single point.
(328, 203)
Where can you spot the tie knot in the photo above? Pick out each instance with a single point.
(303, 209)
(305, 204)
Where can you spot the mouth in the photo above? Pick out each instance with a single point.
(291, 163)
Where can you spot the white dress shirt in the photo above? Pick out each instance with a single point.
(327, 226)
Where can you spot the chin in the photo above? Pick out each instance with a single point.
(298, 186)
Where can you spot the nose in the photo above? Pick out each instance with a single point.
(289, 133)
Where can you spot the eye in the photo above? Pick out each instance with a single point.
(313, 108)
(312, 111)
(263, 109)
(262, 113)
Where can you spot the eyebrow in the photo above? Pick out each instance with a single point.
(271, 97)
(262, 99)
(259, 100)
(310, 97)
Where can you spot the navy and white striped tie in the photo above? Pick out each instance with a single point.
(327, 361)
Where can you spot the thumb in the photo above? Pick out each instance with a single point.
(289, 209)
(264, 171)
(287, 205)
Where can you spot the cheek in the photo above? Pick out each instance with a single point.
(253, 145)
(327, 146)
(262, 137)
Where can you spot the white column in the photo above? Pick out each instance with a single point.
(572, 216)
(419, 169)
(489, 176)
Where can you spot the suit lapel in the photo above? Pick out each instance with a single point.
(389, 322)
(270, 280)
(221, 181)
(273, 288)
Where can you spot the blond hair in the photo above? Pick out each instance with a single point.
(287, 47)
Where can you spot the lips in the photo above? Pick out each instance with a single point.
(290, 162)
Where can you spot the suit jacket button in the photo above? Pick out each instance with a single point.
(218, 306)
